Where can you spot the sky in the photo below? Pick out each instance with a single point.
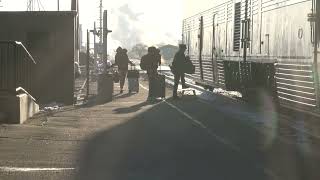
(151, 22)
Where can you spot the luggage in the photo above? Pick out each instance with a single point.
(144, 62)
(189, 68)
(160, 90)
(105, 88)
(162, 86)
(116, 77)
(133, 80)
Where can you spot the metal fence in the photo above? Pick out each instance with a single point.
(16, 67)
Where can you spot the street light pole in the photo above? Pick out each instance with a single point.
(88, 64)
(94, 42)
(106, 31)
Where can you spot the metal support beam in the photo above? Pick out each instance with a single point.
(201, 46)
(88, 64)
(245, 29)
(315, 59)
(100, 30)
(106, 31)
(94, 42)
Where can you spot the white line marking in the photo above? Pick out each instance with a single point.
(23, 169)
(144, 87)
(201, 125)
(253, 124)
(220, 139)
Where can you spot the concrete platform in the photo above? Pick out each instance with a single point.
(197, 137)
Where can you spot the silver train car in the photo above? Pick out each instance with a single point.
(255, 46)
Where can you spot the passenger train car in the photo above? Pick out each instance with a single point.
(255, 46)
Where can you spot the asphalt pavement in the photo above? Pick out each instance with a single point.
(194, 138)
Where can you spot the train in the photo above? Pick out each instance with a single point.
(258, 46)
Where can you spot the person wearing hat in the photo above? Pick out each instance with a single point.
(178, 63)
(122, 60)
(151, 61)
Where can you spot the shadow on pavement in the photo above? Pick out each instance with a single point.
(160, 144)
(117, 96)
(131, 109)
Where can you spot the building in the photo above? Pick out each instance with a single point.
(52, 39)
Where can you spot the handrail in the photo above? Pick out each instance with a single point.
(30, 56)
(20, 44)
(20, 89)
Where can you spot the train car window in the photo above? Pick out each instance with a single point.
(237, 26)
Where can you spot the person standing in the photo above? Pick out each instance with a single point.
(158, 56)
(122, 60)
(151, 61)
(178, 64)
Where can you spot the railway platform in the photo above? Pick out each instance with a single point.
(207, 136)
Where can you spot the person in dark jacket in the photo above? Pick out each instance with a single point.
(122, 60)
(152, 62)
(158, 56)
(178, 63)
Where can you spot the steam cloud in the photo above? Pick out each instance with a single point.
(130, 27)
(127, 31)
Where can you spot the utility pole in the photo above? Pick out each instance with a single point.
(94, 42)
(100, 31)
(245, 32)
(58, 5)
(88, 64)
(106, 31)
(95, 33)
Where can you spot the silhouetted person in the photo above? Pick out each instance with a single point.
(122, 60)
(178, 64)
(152, 62)
(158, 56)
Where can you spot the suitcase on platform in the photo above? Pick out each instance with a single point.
(160, 89)
(133, 80)
(105, 88)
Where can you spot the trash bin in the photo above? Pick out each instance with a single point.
(105, 88)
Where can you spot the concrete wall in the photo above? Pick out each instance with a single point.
(50, 38)
(16, 109)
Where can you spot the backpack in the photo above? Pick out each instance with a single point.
(189, 68)
(144, 62)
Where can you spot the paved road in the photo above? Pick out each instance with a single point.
(129, 139)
